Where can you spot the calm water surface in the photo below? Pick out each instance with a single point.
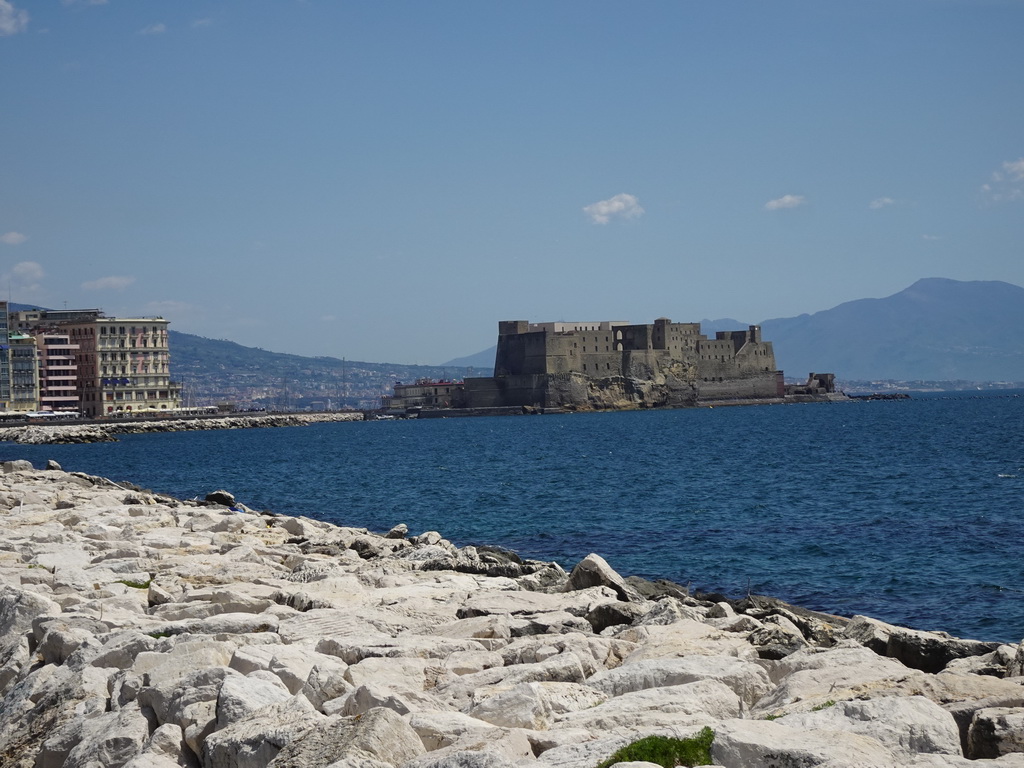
(909, 511)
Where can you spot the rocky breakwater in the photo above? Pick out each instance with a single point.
(144, 631)
(105, 432)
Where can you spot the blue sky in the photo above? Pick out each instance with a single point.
(385, 181)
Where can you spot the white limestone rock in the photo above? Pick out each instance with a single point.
(380, 735)
(583, 754)
(240, 696)
(996, 731)
(506, 744)
(686, 637)
(747, 680)
(255, 741)
(458, 692)
(439, 729)
(354, 650)
(109, 739)
(529, 705)
(765, 743)
(594, 571)
(906, 725)
(513, 603)
(189, 701)
(702, 701)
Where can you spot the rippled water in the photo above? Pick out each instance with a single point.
(910, 511)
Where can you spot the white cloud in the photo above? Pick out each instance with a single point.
(28, 270)
(1007, 183)
(202, 23)
(112, 283)
(13, 238)
(622, 206)
(153, 29)
(23, 279)
(930, 237)
(12, 21)
(881, 202)
(1014, 169)
(85, 2)
(786, 201)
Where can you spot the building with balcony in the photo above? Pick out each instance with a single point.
(58, 372)
(99, 365)
(24, 367)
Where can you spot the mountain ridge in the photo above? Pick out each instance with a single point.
(936, 329)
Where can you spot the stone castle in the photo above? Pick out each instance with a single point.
(613, 364)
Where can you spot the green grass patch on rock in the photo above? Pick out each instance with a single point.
(666, 751)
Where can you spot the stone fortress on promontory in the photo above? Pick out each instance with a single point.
(618, 365)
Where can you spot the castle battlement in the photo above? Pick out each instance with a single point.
(573, 364)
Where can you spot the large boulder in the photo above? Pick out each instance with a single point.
(594, 571)
(379, 735)
(747, 680)
(741, 743)
(906, 725)
(995, 732)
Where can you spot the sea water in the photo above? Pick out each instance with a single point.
(909, 511)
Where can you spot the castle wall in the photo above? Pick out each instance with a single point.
(520, 389)
(613, 364)
(762, 385)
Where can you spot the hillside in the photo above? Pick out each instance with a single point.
(215, 370)
(937, 329)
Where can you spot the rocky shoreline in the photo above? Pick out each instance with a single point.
(145, 631)
(107, 431)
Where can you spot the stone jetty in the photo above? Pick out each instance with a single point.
(145, 631)
(107, 431)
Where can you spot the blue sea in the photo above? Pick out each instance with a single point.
(909, 511)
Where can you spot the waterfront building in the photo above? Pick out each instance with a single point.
(119, 366)
(123, 365)
(58, 372)
(5, 358)
(24, 367)
(424, 393)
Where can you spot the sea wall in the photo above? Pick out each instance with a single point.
(51, 434)
(145, 631)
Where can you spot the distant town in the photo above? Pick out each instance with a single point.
(68, 363)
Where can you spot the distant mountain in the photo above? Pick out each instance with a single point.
(216, 370)
(937, 329)
(481, 362)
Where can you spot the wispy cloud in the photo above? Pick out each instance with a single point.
(28, 270)
(881, 202)
(12, 20)
(153, 29)
(83, 2)
(1007, 183)
(24, 278)
(198, 23)
(930, 237)
(786, 201)
(13, 238)
(621, 206)
(112, 283)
